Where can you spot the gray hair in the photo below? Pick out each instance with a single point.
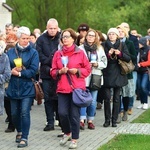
(52, 20)
(23, 30)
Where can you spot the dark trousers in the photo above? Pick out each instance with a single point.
(125, 101)
(69, 115)
(100, 95)
(107, 104)
(7, 106)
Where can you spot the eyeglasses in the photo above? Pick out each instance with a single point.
(66, 37)
(83, 28)
(90, 35)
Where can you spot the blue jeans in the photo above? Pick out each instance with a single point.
(131, 99)
(142, 82)
(49, 96)
(69, 115)
(20, 112)
(90, 110)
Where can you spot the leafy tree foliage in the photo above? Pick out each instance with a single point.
(99, 14)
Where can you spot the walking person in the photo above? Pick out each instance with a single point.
(24, 61)
(5, 73)
(47, 45)
(113, 79)
(78, 68)
(91, 47)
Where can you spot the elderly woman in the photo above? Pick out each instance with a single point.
(24, 61)
(91, 47)
(5, 74)
(113, 79)
(78, 68)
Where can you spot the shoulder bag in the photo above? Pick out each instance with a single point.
(81, 98)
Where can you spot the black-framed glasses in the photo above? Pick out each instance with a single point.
(66, 37)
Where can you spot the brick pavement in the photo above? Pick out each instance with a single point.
(89, 139)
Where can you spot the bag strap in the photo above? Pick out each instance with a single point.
(69, 80)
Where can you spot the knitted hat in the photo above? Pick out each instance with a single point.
(114, 30)
(123, 29)
(143, 41)
(83, 27)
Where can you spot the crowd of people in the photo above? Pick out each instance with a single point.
(53, 56)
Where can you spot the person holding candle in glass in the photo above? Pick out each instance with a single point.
(24, 63)
(78, 68)
(96, 55)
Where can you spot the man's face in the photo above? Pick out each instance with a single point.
(52, 28)
(9, 29)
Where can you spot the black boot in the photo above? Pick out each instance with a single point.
(107, 112)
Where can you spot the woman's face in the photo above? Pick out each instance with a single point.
(67, 40)
(121, 33)
(24, 40)
(90, 37)
(112, 36)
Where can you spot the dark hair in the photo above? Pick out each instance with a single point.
(72, 34)
(83, 27)
(78, 39)
(102, 39)
(32, 34)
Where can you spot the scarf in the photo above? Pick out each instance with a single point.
(68, 51)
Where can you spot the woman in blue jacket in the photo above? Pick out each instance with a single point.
(24, 62)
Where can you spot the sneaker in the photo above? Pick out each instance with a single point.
(130, 111)
(82, 126)
(140, 106)
(91, 126)
(65, 138)
(145, 106)
(119, 118)
(99, 106)
(48, 128)
(73, 145)
(125, 116)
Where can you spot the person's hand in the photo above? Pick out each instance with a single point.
(94, 64)
(14, 72)
(139, 65)
(111, 51)
(73, 70)
(117, 52)
(63, 70)
(18, 69)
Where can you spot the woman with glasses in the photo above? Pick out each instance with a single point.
(91, 47)
(69, 60)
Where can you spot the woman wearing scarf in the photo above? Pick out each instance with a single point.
(92, 47)
(77, 66)
(113, 79)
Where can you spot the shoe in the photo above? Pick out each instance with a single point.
(82, 126)
(48, 128)
(114, 125)
(125, 116)
(106, 124)
(140, 106)
(9, 130)
(99, 106)
(73, 145)
(145, 106)
(24, 144)
(65, 138)
(7, 120)
(119, 118)
(130, 111)
(91, 126)
(18, 138)
(60, 135)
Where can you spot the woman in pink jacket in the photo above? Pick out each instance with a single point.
(78, 67)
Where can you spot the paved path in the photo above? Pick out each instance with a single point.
(89, 139)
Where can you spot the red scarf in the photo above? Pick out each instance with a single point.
(68, 51)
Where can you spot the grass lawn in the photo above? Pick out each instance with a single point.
(128, 142)
(131, 141)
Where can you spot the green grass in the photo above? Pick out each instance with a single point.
(128, 142)
(143, 118)
(131, 141)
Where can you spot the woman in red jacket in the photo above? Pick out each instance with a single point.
(78, 68)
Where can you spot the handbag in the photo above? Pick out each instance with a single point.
(80, 97)
(126, 67)
(95, 82)
(39, 95)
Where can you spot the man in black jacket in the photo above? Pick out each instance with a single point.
(47, 44)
